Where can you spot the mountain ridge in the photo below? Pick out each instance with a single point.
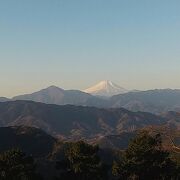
(154, 101)
(76, 122)
(59, 96)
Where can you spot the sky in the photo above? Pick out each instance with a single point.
(74, 44)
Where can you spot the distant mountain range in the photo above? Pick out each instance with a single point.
(76, 122)
(56, 95)
(154, 101)
(4, 99)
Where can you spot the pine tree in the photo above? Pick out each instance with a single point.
(82, 163)
(145, 159)
(15, 165)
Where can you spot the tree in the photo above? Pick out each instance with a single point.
(81, 163)
(145, 159)
(15, 165)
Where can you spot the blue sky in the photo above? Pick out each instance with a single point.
(76, 43)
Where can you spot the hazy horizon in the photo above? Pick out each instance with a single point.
(29, 91)
(75, 44)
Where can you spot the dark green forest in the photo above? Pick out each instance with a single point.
(144, 159)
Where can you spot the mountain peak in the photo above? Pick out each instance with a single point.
(105, 88)
(54, 88)
(105, 82)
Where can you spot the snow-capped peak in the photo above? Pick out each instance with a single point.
(105, 88)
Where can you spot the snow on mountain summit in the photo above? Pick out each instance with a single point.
(105, 88)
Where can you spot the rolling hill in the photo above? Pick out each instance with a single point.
(31, 140)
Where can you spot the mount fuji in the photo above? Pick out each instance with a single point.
(106, 89)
